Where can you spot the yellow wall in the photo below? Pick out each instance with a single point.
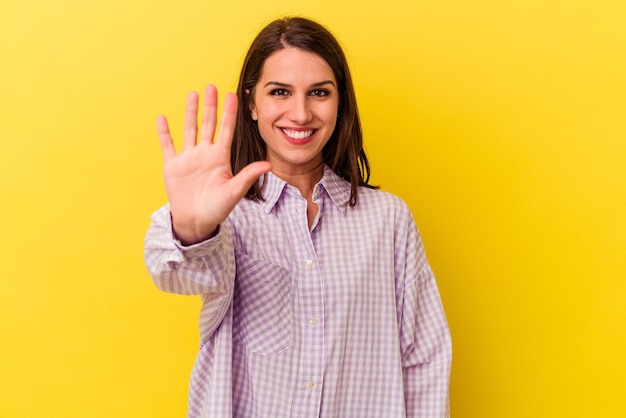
(501, 123)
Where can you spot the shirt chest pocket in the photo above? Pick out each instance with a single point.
(262, 306)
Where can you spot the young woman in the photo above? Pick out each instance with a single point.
(318, 300)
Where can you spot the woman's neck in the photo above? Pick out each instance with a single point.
(304, 180)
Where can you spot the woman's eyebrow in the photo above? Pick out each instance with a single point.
(276, 83)
(323, 83)
(286, 85)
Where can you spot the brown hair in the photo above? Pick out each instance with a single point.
(344, 152)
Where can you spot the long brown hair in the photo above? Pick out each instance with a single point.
(344, 152)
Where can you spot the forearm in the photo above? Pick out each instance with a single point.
(204, 268)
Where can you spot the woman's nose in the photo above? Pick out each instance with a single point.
(301, 111)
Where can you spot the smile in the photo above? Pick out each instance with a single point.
(293, 134)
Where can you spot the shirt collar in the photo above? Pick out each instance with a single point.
(337, 189)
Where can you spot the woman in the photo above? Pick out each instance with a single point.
(318, 299)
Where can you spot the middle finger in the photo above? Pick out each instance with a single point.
(209, 117)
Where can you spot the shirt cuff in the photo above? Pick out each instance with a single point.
(200, 248)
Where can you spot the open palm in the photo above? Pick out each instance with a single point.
(199, 181)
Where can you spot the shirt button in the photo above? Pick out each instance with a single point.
(311, 384)
(309, 263)
(313, 322)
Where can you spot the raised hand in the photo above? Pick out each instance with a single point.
(199, 180)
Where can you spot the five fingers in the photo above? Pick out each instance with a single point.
(243, 180)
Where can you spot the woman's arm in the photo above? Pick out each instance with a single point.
(425, 336)
(204, 268)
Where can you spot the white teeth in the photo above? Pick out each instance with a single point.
(297, 134)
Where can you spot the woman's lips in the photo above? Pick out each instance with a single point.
(298, 136)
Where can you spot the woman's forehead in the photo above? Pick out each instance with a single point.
(295, 66)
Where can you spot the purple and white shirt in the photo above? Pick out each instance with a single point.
(340, 320)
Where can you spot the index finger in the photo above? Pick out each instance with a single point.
(227, 125)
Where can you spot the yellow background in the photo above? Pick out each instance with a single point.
(501, 123)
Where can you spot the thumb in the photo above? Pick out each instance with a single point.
(248, 175)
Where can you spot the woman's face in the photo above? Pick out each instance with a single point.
(295, 104)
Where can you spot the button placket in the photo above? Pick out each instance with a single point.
(311, 315)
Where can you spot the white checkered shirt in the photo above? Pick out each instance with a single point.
(340, 320)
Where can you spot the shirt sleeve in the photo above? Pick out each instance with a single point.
(425, 337)
(207, 268)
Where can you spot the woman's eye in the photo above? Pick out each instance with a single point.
(279, 92)
(319, 93)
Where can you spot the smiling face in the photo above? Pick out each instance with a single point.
(295, 105)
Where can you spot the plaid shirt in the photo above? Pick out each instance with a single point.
(340, 320)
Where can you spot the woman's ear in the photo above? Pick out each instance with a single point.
(252, 106)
